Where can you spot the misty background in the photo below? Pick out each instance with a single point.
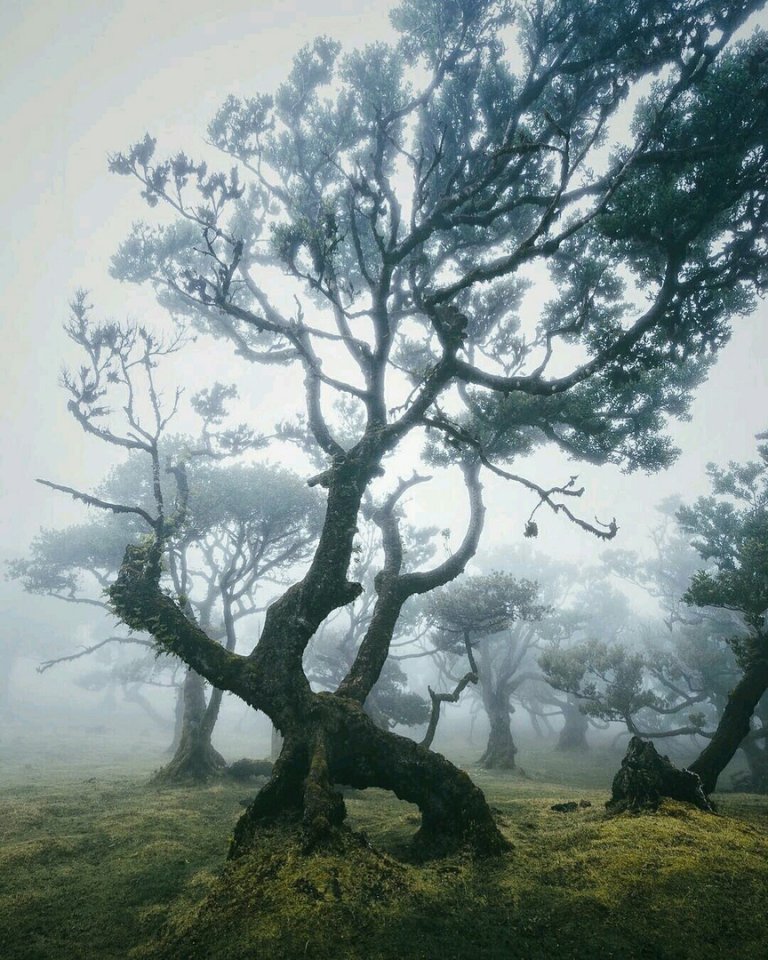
(83, 80)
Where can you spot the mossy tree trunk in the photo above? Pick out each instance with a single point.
(646, 778)
(342, 745)
(329, 739)
(195, 757)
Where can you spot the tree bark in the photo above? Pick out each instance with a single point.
(341, 744)
(645, 778)
(734, 724)
(195, 758)
(329, 739)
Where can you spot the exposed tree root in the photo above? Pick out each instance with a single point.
(346, 747)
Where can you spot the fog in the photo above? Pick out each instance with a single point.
(83, 81)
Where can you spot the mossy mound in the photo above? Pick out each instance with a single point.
(108, 871)
(645, 777)
(280, 902)
(670, 886)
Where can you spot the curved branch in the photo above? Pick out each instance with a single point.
(47, 664)
(140, 603)
(91, 501)
(440, 698)
(394, 588)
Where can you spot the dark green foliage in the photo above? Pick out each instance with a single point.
(607, 678)
(60, 559)
(730, 531)
(482, 605)
(487, 151)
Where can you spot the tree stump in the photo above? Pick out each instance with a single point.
(645, 778)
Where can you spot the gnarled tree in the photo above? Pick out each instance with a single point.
(406, 194)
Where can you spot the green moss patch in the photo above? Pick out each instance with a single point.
(119, 869)
(670, 886)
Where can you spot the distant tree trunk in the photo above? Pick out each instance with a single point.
(10, 658)
(500, 751)
(734, 724)
(573, 736)
(540, 722)
(132, 694)
(195, 757)
(538, 727)
(756, 755)
(178, 719)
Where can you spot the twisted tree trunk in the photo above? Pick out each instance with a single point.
(734, 724)
(329, 739)
(339, 743)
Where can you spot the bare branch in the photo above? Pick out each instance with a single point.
(47, 664)
(92, 501)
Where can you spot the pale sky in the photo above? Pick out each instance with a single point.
(80, 80)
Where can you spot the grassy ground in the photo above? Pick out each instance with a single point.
(111, 868)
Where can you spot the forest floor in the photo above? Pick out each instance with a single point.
(106, 866)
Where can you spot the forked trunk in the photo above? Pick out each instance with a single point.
(329, 739)
(195, 758)
(340, 744)
(733, 726)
